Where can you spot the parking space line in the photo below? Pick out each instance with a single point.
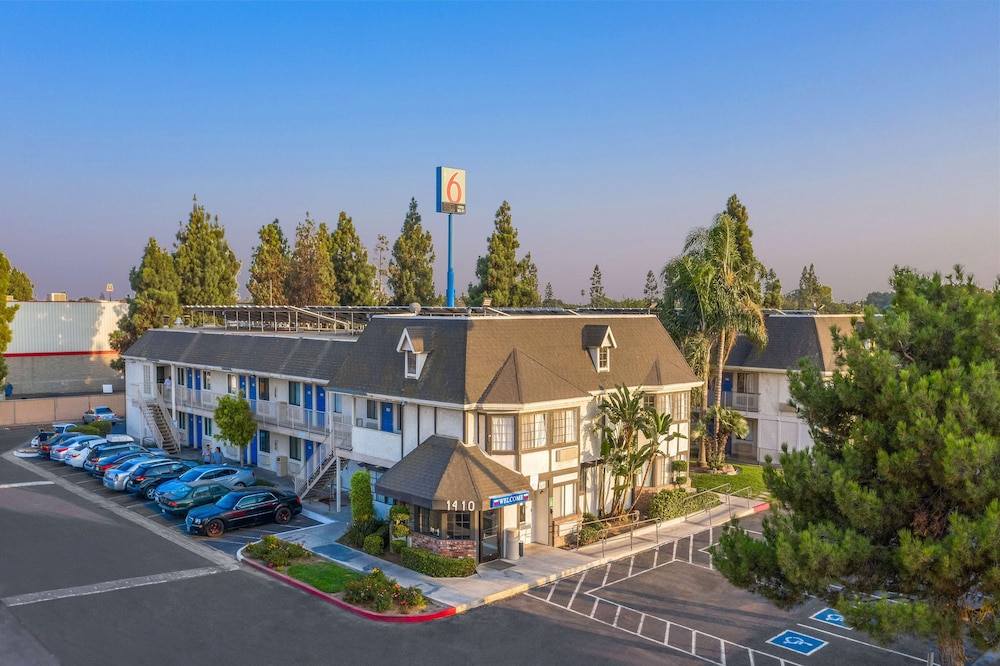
(855, 640)
(113, 586)
(26, 484)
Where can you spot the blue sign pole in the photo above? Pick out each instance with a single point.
(451, 270)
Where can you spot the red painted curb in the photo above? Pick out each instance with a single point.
(369, 615)
(761, 507)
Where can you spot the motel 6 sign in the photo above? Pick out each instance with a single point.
(451, 190)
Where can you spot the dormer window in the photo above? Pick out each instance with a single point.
(599, 342)
(414, 344)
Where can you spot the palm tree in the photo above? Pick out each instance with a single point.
(712, 295)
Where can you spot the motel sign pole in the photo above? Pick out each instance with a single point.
(451, 200)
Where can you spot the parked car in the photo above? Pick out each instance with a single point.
(99, 414)
(115, 478)
(71, 445)
(102, 466)
(45, 448)
(242, 508)
(45, 434)
(144, 480)
(186, 496)
(228, 475)
(112, 448)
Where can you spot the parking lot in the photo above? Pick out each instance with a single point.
(229, 543)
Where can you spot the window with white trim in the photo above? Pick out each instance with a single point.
(603, 359)
(501, 435)
(564, 500)
(295, 393)
(233, 382)
(411, 365)
(264, 441)
(208, 427)
(534, 431)
(206, 380)
(263, 388)
(564, 426)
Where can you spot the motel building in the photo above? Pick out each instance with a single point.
(482, 421)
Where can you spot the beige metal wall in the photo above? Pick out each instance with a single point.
(43, 327)
(56, 410)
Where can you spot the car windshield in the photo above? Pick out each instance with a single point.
(190, 475)
(228, 502)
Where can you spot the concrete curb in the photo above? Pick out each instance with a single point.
(368, 615)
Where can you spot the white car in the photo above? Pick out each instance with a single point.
(77, 459)
(59, 453)
(51, 431)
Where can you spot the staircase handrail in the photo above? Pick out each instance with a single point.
(324, 455)
(147, 414)
(171, 422)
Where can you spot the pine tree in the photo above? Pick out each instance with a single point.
(381, 270)
(549, 297)
(269, 267)
(355, 276)
(411, 271)
(502, 278)
(20, 286)
(597, 297)
(651, 292)
(156, 303)
(311, 280)
(772, 290)
(206, 265)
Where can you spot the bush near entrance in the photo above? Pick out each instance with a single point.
(438, 566)
(676, 502)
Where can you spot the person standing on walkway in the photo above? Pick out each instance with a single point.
(206, 456)
(217, 457)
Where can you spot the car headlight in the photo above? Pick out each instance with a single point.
(196, 521)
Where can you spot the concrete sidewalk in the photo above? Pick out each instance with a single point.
(505, 578)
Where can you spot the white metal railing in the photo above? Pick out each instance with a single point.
(323, 456)
(744, 402)
(139, 399)
(268, 412)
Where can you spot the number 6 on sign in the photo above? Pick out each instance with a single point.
(450, 190)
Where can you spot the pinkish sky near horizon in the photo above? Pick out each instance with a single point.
(859, 135)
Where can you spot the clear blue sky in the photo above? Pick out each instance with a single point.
(858, 135)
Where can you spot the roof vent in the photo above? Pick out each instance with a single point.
(415, 308)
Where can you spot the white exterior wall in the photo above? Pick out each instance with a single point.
(777, 423)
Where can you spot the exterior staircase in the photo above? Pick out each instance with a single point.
(321, 468)
(156, 415)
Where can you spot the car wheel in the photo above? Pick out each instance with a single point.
(240, 485)
(150, 492)
(214, 528)
(282, 515)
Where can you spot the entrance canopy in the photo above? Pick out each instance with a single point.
(444, 474)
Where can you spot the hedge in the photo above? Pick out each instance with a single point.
(438, 566)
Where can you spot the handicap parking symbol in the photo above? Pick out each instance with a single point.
(793, 640)
(830, 616)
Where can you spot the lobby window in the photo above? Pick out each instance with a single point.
(534, 431)
(501, 435)
(374, 475)
(264, 441)
(295, 448)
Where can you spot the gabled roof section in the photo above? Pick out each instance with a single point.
(523, 380)
(474, 361)
(316, 359)
(789, 338)
(416, 339)
(595, 336)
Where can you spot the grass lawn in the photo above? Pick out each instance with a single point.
(751, 476)
(324, 576)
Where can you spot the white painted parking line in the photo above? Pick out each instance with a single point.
(871, 645)
(112, 586)
(26, 484)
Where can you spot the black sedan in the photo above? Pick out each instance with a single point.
(181, 499)
(242, 508)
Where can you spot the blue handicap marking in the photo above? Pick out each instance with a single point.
(830, 616)
(793, 640)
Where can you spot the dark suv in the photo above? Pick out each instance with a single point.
(147, 477)
(241, 508)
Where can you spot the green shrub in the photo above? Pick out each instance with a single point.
(589, 518)
(397, 545)
(675, 502)
(374, 544)
(588, 533)
(359, 530)
(438, 566)
(362, 504)
(382, 593)
(399, 515)
(274, 552)
(679, 465)
(87, 429)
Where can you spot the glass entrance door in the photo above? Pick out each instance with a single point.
(489, 535)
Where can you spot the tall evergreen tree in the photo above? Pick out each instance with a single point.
(597, 297)
(311, 280)
(651, 292)
(20, 285)
(502, 278)
(549, 296)
(269, 267)
(382, 270)
(772, 290)
(411, 271)
(893, 516)
(6, 314)
(207, 267)
(355, 276)
(156, 303)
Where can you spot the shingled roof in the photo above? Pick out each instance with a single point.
(789, 338)
(511, 360)
(443, 469)
(315, 359)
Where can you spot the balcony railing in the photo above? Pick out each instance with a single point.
(742, 402)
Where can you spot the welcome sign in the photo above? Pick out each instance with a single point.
(509, 498)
